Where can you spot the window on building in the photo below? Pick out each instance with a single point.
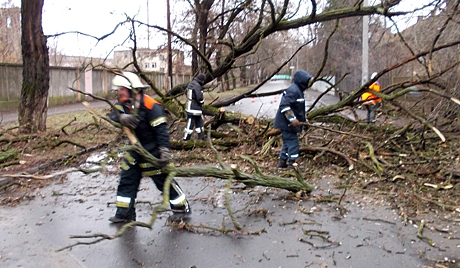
(8, 22)
(147, 65)
(154, 64)
(162, 70)
(162, 58)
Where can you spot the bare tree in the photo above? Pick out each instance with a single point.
(238, 30)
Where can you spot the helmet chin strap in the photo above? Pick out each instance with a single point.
(136, 101)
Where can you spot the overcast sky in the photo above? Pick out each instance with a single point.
(99, 17)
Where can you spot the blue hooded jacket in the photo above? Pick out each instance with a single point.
(293, 99)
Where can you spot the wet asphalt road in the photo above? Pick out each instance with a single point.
(32, 232)
(266, 107)
(7, 117)
(370, 234)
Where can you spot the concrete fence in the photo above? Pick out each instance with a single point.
(96, 82)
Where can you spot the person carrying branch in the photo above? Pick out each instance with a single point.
(195, 101)
(145, 117)
(288, 118)
(372, 102)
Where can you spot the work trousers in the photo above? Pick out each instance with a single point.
(372, 113)
(130, 178)
(291, 146)
(194, 121)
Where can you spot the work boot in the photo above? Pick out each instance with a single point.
(282, 163)
(123, 215)
(115, 219)
(181, 214)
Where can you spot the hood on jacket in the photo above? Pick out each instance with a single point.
(301, 78)
(200, 78)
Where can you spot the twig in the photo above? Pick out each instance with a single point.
(70, 142)
(336, 131)
(442, 205)
(321, 234)
(96, 113)
(50, 176)
(322, 149)
(421, 120)
(63, 127)
(341, 197)
(422, 237)
(222, 230)
(229, 208)
(219, 159)
(379, 220)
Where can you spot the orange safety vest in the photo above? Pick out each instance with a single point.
(368, 96)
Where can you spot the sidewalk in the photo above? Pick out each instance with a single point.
(10, 117)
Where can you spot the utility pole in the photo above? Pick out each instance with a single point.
(365, 52)
(170, 67)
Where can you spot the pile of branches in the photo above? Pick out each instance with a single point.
(403, 160)
(398, 158)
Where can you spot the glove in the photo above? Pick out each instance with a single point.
(295, 123)
(165, 156)
(129, 120)
(306, 126)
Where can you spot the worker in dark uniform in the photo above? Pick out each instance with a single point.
(195, 101)
(145, 116)
(288, 118)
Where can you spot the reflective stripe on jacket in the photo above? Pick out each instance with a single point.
(195, 100)
(293, 99)
(152, 130)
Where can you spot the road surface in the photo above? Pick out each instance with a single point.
(368, 235)
(266, 107)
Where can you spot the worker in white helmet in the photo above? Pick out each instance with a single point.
(372, 102)
(145, 116)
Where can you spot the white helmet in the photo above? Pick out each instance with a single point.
(128, 80)
(373, 75)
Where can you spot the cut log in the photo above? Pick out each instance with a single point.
(250, 120)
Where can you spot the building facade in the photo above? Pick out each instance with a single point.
(10, 35)
(152, 60)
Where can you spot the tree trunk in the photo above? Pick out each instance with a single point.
(227, 82)
(243, 76)
(34, 93)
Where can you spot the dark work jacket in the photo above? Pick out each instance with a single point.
(293, 99)
(152, 130)
(195, 100)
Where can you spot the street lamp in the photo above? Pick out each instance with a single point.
(365, 48)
